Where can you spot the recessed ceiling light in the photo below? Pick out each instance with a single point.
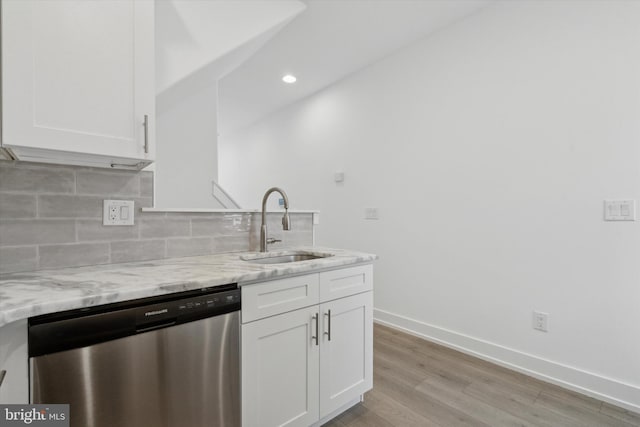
(289, 79)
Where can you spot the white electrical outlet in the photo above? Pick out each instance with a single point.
(541, 321)
(117, 212)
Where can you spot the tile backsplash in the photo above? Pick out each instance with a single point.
(51, 217)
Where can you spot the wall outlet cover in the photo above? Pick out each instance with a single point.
(118, 212)
(540, 321)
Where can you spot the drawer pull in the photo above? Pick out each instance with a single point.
(146, 133)
(328, 314)
(315, 317)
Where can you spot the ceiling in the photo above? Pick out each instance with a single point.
(199, 41)
(327, 41)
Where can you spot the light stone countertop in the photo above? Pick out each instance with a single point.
(28, 294)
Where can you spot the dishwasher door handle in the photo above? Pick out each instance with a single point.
(155, 326)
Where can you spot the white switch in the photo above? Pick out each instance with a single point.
(619, 210)
(338, 176)
(118, 212)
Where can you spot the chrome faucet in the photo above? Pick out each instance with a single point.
(286, 224)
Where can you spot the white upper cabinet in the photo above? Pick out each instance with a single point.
(78, 81)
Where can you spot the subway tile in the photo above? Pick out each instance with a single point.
(189, 247)
(36, 231)
(63, 206)
(288, 239)
(36, 179)
(221, 224)
(23, 258)
(207, 227)
(274, 220)
(73, 255)
(232, 243)
(17, 205)
(140, 250)
(238, 222)
(154, 228)
(116, 183)
(146, 184)
(92, 230)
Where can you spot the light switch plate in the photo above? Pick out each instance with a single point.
(371, 213)
(117, 212)
(620, 210)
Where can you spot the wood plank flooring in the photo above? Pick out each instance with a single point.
(419, 383)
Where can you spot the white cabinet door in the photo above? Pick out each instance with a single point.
(280, 370)
(78, 77)
(346, 350)
(14, 363)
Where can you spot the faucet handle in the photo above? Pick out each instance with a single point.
(271, 240)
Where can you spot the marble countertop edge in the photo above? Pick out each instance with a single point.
(28, 294)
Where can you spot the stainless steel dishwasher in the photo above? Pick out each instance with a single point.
(170, 361)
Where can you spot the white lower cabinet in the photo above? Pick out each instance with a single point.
(14, 369)
(346, 359)
(300, 366)
(280, 370)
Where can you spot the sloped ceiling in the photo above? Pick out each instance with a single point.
(327, 41)
(198, 41)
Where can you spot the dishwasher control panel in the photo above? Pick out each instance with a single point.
(56, 332)
(188, 309)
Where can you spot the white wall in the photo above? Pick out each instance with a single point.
(197, 42)
(187, 152)
(488, 149)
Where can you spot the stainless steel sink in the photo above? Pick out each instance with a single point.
(284, 257)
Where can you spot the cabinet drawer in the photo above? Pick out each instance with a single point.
(279, 296)
(347, 281)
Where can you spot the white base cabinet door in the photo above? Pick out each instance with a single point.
(280, 370)
(78, 81)
(346, 350)
(14, 368)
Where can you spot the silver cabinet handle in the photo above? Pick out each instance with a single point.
(328, 314)
(2, 374)
(136, 166)
(146, 133)
(315, 317)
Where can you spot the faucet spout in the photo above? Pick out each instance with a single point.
(286, 222)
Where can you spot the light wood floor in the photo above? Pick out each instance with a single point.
(419, 383)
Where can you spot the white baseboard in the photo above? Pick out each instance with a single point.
(607, 389)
